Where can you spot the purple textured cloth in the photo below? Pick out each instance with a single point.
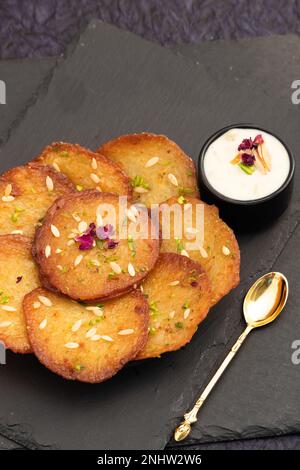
(41, 28)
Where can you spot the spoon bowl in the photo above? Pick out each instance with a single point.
(265, 299)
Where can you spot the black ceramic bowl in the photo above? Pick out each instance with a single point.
(250, 214)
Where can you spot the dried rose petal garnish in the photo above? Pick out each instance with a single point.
(246, 144)
(258, 140)
(250, 156)
(248, 159)
(88, 238)
(105, 232)
(111, 244)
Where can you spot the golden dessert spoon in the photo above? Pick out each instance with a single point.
(263, 303)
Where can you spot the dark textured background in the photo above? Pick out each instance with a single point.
(43, 28)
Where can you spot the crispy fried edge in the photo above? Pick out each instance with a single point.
(46, 278)
(66, 146)
(25, 244)
(236, 273)
(182, 263)
(44, 170)
(137, 138)
(41, 352)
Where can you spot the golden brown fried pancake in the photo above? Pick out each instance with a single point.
(99, 272)
(86, 169)
(85, 343)
(158, 168)
(18, 276)
(179, 296)
(26, 192)
(219, 254)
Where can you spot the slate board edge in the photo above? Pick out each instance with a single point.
(44, 88)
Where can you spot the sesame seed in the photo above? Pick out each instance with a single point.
(4, 324)
(141, 289)
(72, 235)
(71, 345)
(172, 314)
(172, 178)
(8, 190)
(96, 310)
(82, 226)
(55, 231)
(7, 198)
(7, 308)
(76, 325)
(95, 178)
(58, 251)
(49, 183)
(56, 167)
(78, 260)
(43, 324)
(94, 163)
(203, 252)
(140, 190)
(184, 253)
(36, 305)
(130, 215)
(17, 232)
(173, 283)
(59, 266)
(225, 251)
(151, 162)
(186, 313)
(131, 270)
(106, 338)
(95, 337)
(115, 267)
(45, 301)
(76, 217)
(48, 251)
(129, 331)
(91, 332)
(99, 189)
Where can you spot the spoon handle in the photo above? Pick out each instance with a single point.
(184, 428)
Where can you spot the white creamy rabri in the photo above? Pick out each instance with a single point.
(230, 180)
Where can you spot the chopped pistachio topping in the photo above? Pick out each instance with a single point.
(4, 299)
(139, 182)
(179, 245)
(131, 245)
(184, 191)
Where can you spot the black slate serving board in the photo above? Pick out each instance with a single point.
(24, 80)
(151, 98)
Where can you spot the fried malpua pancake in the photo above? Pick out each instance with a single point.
(179, 297)
(218, 252)
(86, 247)
(157, 166)
(90, 344)
(86, 169)
(26, 193)
(18, 276)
